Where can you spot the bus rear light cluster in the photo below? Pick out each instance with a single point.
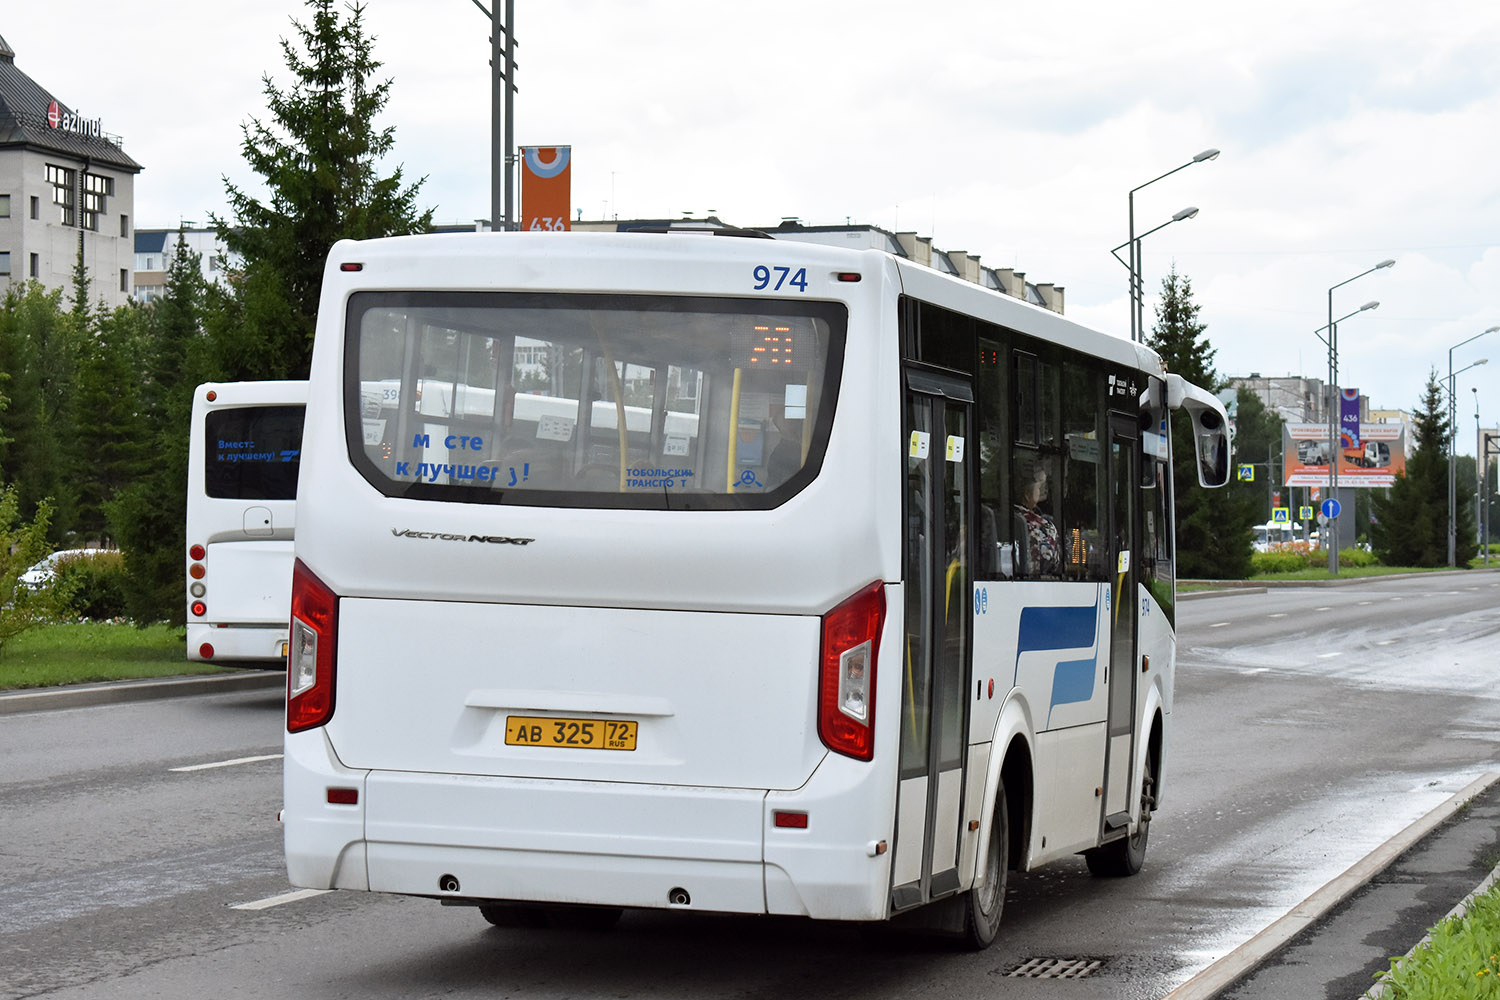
(199, 609)
(846, 678)
(310, 659)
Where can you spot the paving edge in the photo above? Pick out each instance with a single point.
(41, 699)
(1381, 990)
(1231, 968)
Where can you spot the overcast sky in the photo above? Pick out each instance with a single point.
(1351, 133)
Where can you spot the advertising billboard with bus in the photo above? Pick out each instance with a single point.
(1369, 454)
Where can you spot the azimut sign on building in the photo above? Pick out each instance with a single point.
(70, 121)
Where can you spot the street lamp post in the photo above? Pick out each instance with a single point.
(1135, 258)
(1331, 528)
(1452, 419)
(1478, 475)
(502, 111)
(1137, 290)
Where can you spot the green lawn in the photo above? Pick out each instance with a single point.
(95, 651)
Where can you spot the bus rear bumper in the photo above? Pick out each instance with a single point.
(237, 642)
(476, 837)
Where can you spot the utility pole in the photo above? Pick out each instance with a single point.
(502, 114)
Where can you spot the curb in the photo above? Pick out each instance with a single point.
(1235, 966)
(79, 695)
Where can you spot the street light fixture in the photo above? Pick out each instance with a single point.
(1452, 476)
(1185, 214)
(1332, 340)
(1137, 296)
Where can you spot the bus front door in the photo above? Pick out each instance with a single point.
(937, 620)
(1124, 479)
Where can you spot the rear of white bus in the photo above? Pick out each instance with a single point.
(244, 453)
(593, 598)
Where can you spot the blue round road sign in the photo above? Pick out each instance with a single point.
(1330, 507)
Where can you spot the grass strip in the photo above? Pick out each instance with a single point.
(1460, 960)
(96, 651)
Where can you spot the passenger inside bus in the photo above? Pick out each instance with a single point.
(1038, 544)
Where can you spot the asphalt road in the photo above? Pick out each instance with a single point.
(1310, 726)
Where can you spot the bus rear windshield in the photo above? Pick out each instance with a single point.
(253, 452)
(653, 402)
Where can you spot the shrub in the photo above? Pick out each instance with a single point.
(1278, 562)
(1357, 557)
(97, 584)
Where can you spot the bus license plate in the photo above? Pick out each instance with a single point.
(572, 734)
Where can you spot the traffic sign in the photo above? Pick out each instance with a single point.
(1281, 515)
(1247, 474)
(1330, 508)
(1306, 513)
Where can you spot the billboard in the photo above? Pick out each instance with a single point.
(546, 188)
(1369, 454)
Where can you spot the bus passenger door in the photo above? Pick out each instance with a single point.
(935, 664)
(1124, 485)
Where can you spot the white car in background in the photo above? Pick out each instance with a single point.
(45, 570)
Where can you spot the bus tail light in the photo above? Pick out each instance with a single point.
(310, 662)
(846, 678)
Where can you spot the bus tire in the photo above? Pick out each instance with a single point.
(984, 903)
(513, 915)
(1124, 857)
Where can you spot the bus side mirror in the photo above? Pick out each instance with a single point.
(1210, 429)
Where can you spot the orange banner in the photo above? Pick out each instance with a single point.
(546, 188)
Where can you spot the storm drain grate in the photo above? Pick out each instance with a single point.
(1055, 968)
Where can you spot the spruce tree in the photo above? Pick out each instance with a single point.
(1213, 525)
(149, 518)
(1411, 521)
(317, 155)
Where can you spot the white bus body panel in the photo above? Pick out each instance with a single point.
(702, 625)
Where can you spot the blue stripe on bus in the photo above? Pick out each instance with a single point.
(1073, 681)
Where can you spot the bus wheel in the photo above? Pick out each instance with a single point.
(584, 918)
(514, 915)
(982, 914)
(1125, 856)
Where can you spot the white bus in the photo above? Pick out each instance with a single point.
(244, 451)
(872, 603)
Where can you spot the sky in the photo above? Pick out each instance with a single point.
(1351, 133)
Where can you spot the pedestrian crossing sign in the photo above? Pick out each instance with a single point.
(1247, 474)
(1281, 515)
(1306, 513)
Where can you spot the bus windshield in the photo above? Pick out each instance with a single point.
(590, 400)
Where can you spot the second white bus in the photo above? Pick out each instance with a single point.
(722, 574)
(245, 449)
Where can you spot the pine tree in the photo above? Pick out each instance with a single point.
(317, 156)
(1411, 521)
(1213, 526)
(149, 518)
(111, 445)
(37, 353)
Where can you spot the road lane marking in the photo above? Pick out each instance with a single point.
(281, 900)
(1279, 614)
(226, 763)
(1363, 603)
(1254, 670)
(1218, 624)
(1385, 642)
(1322, 609)
(1328, 656)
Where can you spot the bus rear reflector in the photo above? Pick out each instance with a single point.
(846, 678)
(310, 661)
